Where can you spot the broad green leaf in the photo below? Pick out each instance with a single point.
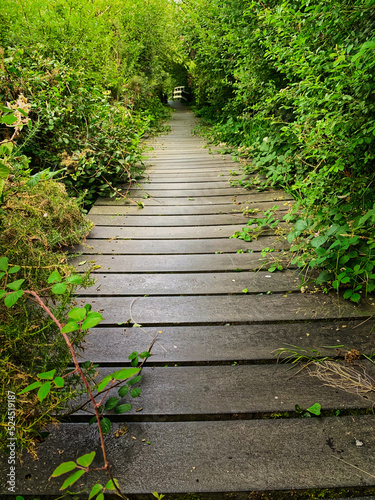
(59, 382)
(134, 380)
(300, 225)
(4, 170)
(4, 264)
(54, 277)
(323, 277)
(2, 274)
(14, 269)
(103, 384)
(9, 119)
(318, 241)
(105, 425)
(144, 354)
(111, 403)
(2, 293)
(71, 326)
(79, 314)
(100, 496)
(86, 460)
(44, 391)
(72, 479)
(97, 488)
(75, 279)
(12, 298)
(123, 391)
(59, 288)
(31, 387)
(111, 485)
(315, 409)
(64, 468)
(47, 375)
(125, 373)
(15, 285)
(122, 408)
(93, 319)
(355, 297)
(348, 294)
(136, 392)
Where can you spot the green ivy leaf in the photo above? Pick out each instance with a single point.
(103, 384)
(12, 298)
(31, 387)
(86, 460)
(15, 285)
(78, 314)
(63, 469)
(59, 382)
(47, 375)
(59, 288)
(44, 391)
(75, 279)
(355, 297)
(4, 264)
(93, 319)
(71, 326)
(97, 488)
(72, 479)
(125, 373)
(54, 277)
(14, 269)
(315, 409)
(111, 485)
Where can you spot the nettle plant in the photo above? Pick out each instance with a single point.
(124, 380)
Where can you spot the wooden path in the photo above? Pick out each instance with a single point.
(207, 419)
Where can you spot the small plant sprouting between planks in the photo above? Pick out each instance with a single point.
(79, 319)
(314, 409)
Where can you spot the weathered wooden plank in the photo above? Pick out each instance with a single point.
(250, 197)
(169, 220)
(171, 263)
(224, 344)
(191, 176)
(223, 456)
(186, 209)
(203, 246)
(186, 193)
(226, 309)
(155, 185)
(193, 283)
(160, 233)
(239, 389)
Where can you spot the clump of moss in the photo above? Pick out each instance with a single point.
(37, 223)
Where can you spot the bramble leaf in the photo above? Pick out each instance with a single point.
(86, 460)
(72, 479)
(64, 468)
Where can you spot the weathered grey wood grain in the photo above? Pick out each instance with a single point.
(229, 456)
(239, 389)
(187, 209)
(250, 198)
(186, 193)
(192, 284)
(169, 220)
(232, 343)
(171, 263)
(203, 246)
(160, 233)
(226, 309)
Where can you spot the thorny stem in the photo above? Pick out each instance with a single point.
(39, 301)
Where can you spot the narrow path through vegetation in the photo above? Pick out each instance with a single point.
(213, 412)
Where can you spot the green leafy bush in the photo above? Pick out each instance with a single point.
(292, 85)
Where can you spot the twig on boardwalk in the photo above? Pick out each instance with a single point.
(352, 465)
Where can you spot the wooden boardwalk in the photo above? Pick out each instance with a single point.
(211, 393)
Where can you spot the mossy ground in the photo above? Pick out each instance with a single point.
(36, 223)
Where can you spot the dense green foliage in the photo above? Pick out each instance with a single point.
(291, 83)
(94, 75)
(80, 84)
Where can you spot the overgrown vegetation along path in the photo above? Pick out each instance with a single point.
(200, 425)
